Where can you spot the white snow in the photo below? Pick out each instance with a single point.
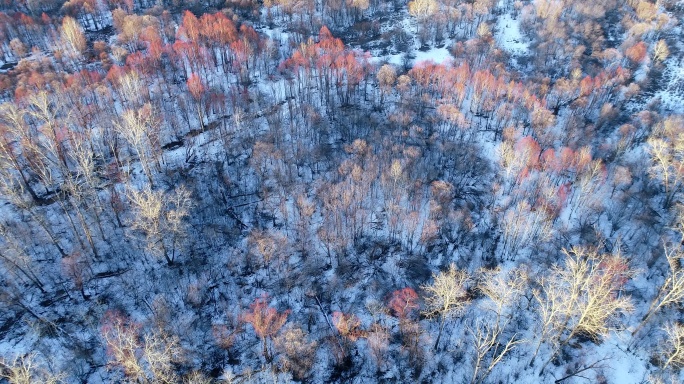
(508, 35)
(437, 55)
(672, 94)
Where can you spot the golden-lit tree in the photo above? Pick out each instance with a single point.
(139, 127)
(423, 9)
(666, 149)
(27, 370)
(296, 351)
(145, 358)
(671, 292)
(386, 76)
(446, 296)
(660, 51)
(674, 350)
(582, 297)
(161, 217)
(73, 38)
(492, 340)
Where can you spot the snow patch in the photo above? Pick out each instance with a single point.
(437, 55)
(509, 37)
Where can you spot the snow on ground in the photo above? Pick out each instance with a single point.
(408, 24)
(509, 37)
(507, 34)
(672, 94)
(622, 366)
(438, 55)
(276, 33)
(395, 60)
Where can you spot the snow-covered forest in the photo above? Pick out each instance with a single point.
(341, 191)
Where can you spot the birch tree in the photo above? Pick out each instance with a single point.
(423, 9)
(446, 296)
(73, 39)
(660, 51)
(489, 348)
(146, 359)
(137, 128)
(674, 350)
(672, 290)
(27, 370)
(161, 217)
(666, 149)
(582, 297)
(491, 338)
(296, 351)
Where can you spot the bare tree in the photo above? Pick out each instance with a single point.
(45, 110)
(86, 179)
(148, 206)
(296, 351)
(27, 370)
(386, 76)
(160, 351)
(672, 290)
(160, 216)
(16, 259)
(492, 340)
(348, 325)
(378, 342)
(55, 157)
(147, 359)
(423, 9)
(446, 296)
(11, 191)
(178, 205)
(266, 321)
(131, 88)
(660, 51)
(523, 225)
(502, 289)
(197, 378)
(269, 246)
(582, 298)
(490, 347)
(13, 133)
(72, 37)
(674, 352)
(137, 127)
(121, 337)
(666, 148)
